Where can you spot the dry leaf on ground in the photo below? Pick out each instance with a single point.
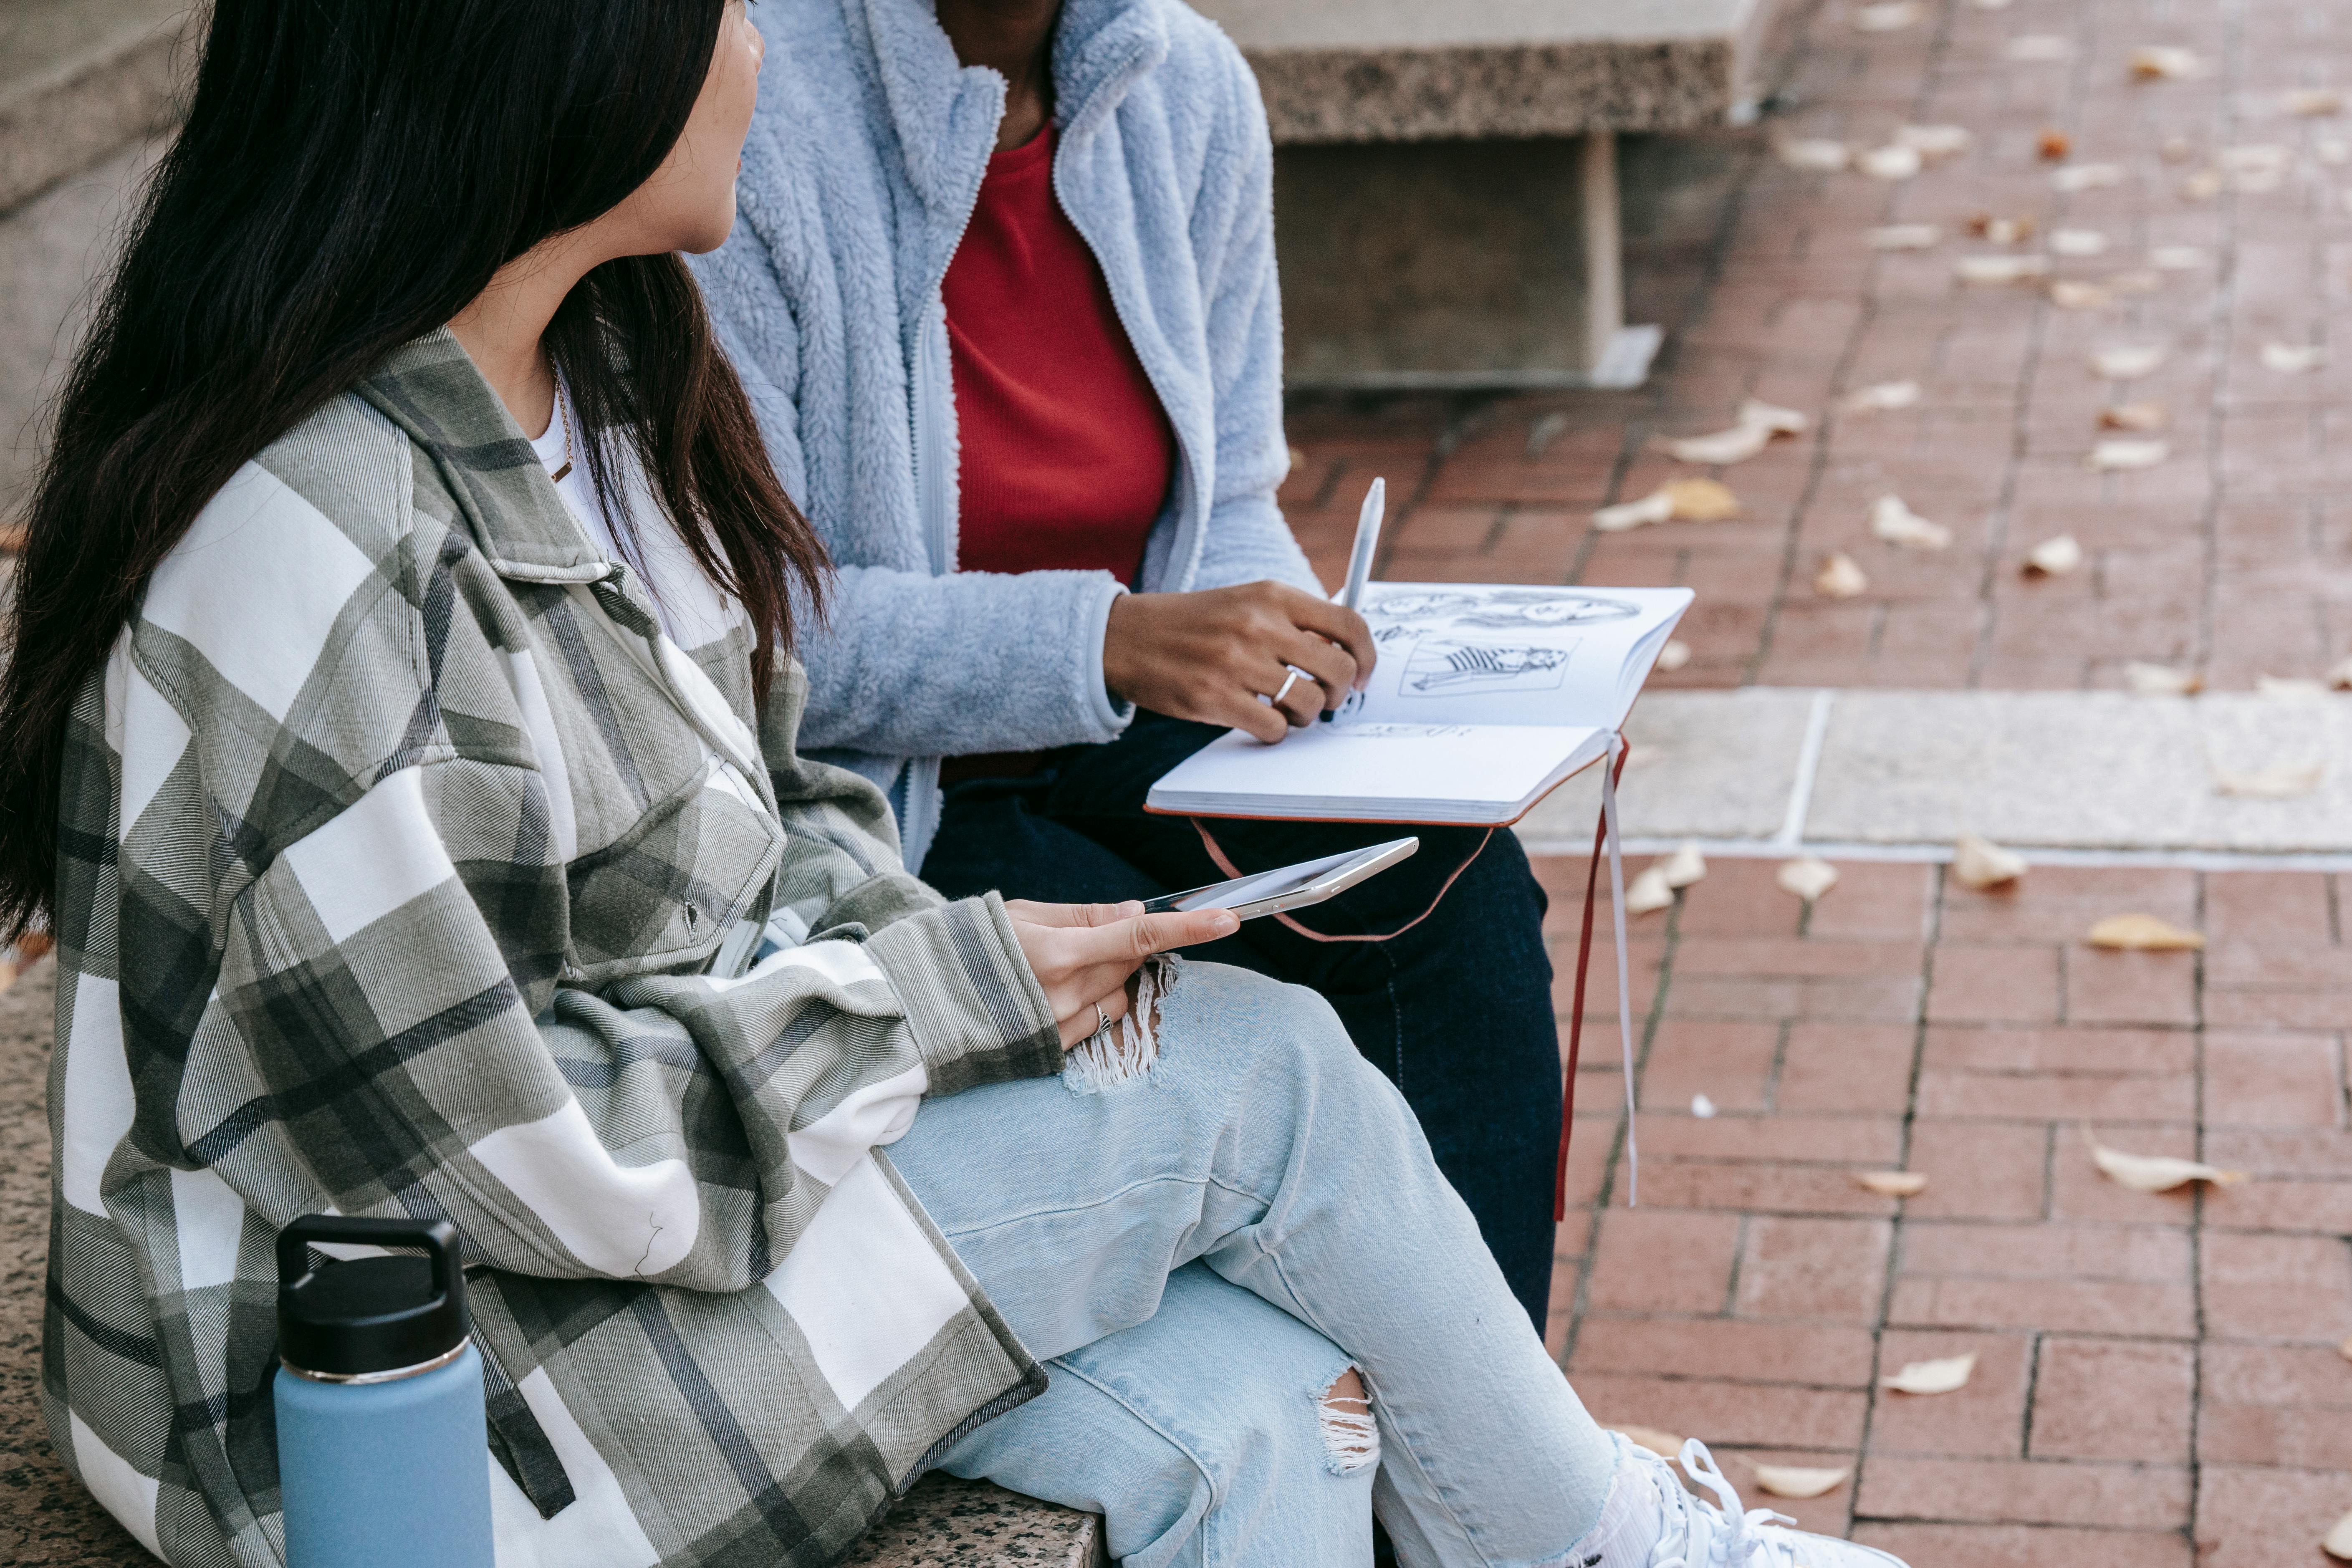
(2161, 680)
(2201, 187)
(1703, 1108)
(2134, 417)
(1701, 501)
(1892, 1184)
(1935, 141)
(2293, 359)
(2161, 62)
(1979, 863)
(1999, 271)
(1684, 865)
(1808, 877)
(1799, 1481)
(2086, 176)
(2040, 48)
(1735, 445)
(2143, 934)
(1816, 154)
(1942, 1376)
(2128, 362)
(1838, 577)
(2176, 150)
(2068, 294)
(2291, 689)
(1648, 892)
(1673, 656)
(1897, 524)
(2177, 258)
(2284, 781)
(1655, 507)
(2124, 455)
(2340, 678)
(1883, 397)
(2078, 242)
(1894, 162)
(1904, 236)
(1665, 1445)
(2053, 146)
(2001, 230)
(1887, 16)
(2337, 1541)
(2315, 102)
(2155, 1172)
(1773, 417)
(2054, 557)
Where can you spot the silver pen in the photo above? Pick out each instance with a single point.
(1368, 543)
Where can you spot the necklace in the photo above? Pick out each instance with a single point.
(564, 414)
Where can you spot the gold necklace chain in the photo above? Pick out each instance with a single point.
(564, 414)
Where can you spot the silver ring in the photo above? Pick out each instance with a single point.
(1284, 690)
(1102, 1021)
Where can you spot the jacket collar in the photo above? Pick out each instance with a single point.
(431, 390)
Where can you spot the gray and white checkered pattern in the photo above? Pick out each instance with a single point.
(398, 844)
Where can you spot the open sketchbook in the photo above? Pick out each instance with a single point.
(1485, 697)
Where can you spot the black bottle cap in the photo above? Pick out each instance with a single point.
(369, 1315)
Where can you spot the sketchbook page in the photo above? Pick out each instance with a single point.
(1495, 653)
(1349, 769)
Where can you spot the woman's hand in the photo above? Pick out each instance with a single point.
(1083, 954)
(1210, 655)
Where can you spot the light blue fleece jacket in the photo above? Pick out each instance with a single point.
(866, 157)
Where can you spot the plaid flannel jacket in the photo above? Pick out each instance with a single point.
(397, 845)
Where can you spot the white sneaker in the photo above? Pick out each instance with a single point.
(1649, 1507)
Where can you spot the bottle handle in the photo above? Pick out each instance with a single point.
(438, 1238)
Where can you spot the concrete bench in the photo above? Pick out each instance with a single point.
(1446, 175)
(46, 1516)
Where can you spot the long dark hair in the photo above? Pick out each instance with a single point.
(351, 174)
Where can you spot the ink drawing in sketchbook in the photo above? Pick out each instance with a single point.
(1485, 698)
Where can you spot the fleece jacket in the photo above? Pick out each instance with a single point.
(865, 160)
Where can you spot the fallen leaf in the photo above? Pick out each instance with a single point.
(1648, 892)
(1993, 271)
(2086, 176)
(1979, 863)
(2291, 689)
(1816, 155)
(1684, 867)
(1883, 397)
(1797, 1481)
(2040, 48)
(2177, 258)
(1897, 524)
(1665, 1445)
(2176, 150)
(2161, 680)
(2053, 146)
(1735, 445)
(2314, 103)
(1935, 141)
(1673, 656)
(1892, 1184)
(2078, 241)
(2155, 1172)
(1807, 878)
(1703, 1108)
(2338, 1542)
(1655, 507)
(2202, 186)
(1890, 163)
(2293, 359)
(2069, 295)
(1543, 432)
(2282, 781)
(2127, 364)
(2054, 557)
(1839, 578)
(2119, 456)
(2001, 230)
(2143, 934)
(2161, 62)
(2332, 151)
(1942, 1376)
(1887, 16)
(1771, 417)
(2133, 417)
(1904, 236)
(1701, 501)
(2340, 678)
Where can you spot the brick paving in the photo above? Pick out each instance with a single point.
(2232, 557)
(2157, 1378)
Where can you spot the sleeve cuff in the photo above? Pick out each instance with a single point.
(975, 1009)
(1112, 713)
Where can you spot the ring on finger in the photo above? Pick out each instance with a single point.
(1102, 1021)
(1292, 679)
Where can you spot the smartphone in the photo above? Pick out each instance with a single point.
(1292, 887)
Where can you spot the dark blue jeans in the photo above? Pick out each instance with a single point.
(1457, 1011)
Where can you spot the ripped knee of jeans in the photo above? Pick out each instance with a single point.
(1128, 1051)
(1351, 1438)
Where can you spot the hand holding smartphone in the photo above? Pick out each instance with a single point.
(1291, 887)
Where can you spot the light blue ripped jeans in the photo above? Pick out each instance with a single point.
(1198, 1252)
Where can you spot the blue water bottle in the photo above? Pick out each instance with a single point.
(382, 1448)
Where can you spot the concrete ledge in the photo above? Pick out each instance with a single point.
(79, 79)
(1404, 70)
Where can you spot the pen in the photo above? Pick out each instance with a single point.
(1367, 541)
